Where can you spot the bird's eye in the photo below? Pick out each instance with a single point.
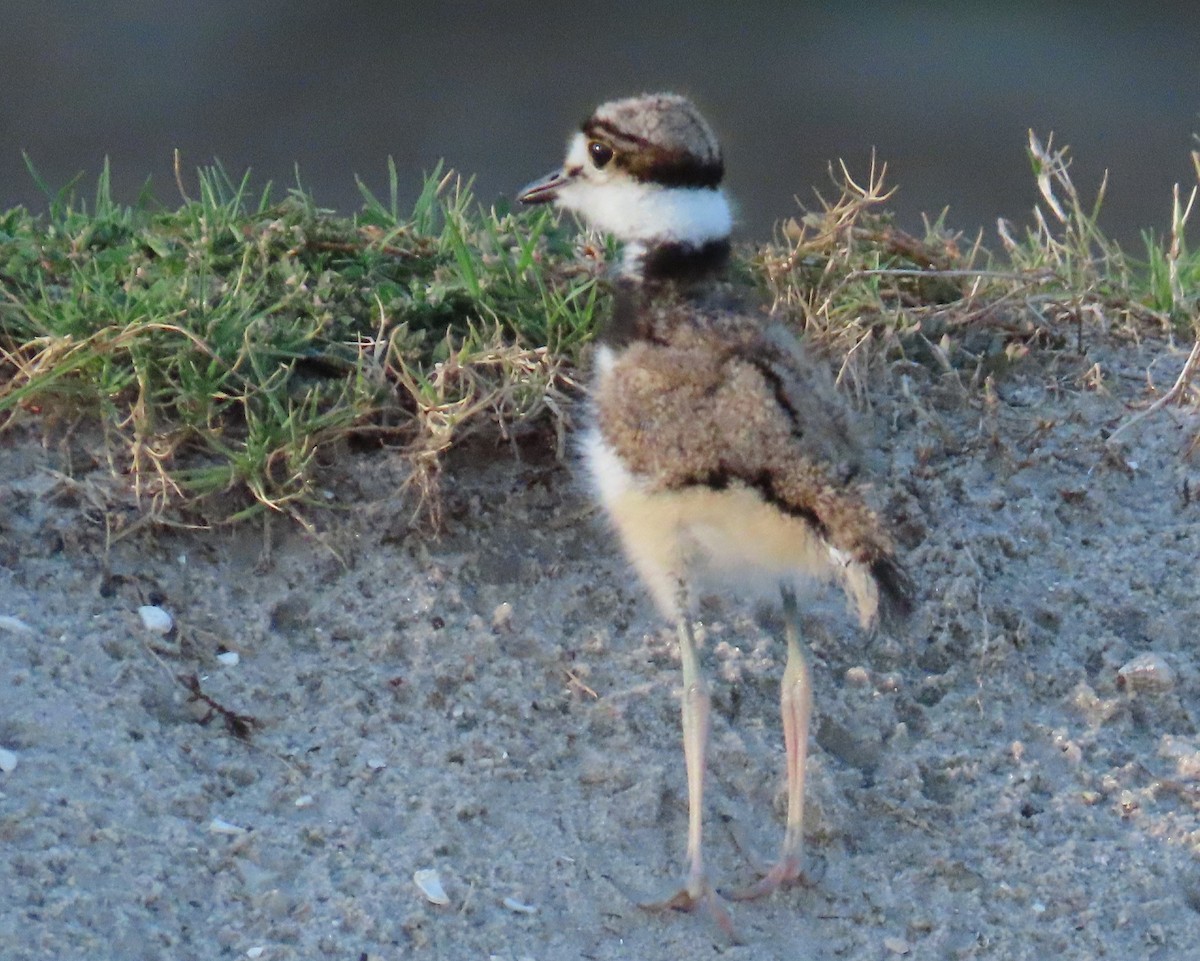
(601, 153)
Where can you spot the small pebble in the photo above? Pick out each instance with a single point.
(1183, 751)
(897, 945)
(229, 658)
(376, 763)
(502, 617)
(1070, 748)
(221, 826)
(256, 952)
(304, 801)
(430, 883)
(858, 676)
(155, 619)
(8, 761)
(1146, 672)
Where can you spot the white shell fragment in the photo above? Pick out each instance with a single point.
(256, 952)
(221, 826)
(519, 907)
(430, 883)
(1146, 672)
(304, 801)
(229, 658)
(155, 619)
(14, 625)
(8, 761)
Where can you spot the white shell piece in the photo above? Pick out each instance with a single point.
(229, 658)
(8, 760)
(430, 883)
(14, 625)
(155, 619)
(221, 826)
(520, 907)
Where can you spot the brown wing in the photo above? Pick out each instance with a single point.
(750, 410)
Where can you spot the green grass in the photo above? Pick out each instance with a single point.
(223, 344)
(229, 346)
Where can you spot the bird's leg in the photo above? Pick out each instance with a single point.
(795, 704)
(696, 701)
(696, 706)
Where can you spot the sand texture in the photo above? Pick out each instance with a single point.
(1014, 774)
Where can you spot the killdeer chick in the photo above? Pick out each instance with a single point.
(718, 448)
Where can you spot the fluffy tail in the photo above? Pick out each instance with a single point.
(880, 590)
(896, 590)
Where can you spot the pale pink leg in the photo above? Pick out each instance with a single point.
(796, 707)
(696, 705)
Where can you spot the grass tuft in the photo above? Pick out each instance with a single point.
(226, 343)
(870, 291)
(231, 347)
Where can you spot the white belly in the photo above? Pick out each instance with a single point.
(728, 539)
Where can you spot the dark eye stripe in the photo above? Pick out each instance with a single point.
(607, 130)
(671, 169)
(648, 163)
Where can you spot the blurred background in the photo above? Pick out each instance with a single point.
(944, 92)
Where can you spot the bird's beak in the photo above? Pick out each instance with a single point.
(544, 189)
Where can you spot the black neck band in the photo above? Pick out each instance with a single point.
(674, 261)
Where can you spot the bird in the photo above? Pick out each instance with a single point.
(717, 444)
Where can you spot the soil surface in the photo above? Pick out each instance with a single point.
(1015, 773)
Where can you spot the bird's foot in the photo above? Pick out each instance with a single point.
(696, 893)
(785, 871)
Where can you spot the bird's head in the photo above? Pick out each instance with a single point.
(648, 171)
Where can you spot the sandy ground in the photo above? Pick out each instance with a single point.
(1016, 774)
